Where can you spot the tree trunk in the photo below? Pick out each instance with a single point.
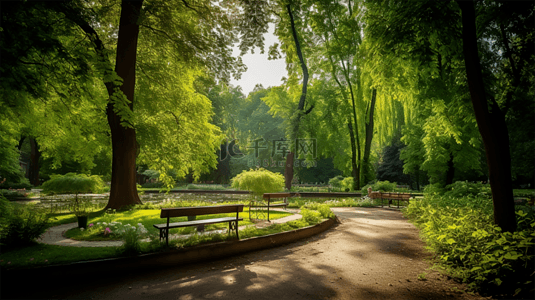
(288, 174)
(366, 166)
(289, 171)
(491, 124)
(354, 165)
(451, 171)
(34, 162)
(123, 176)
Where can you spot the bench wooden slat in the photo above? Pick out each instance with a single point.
(272, 205)
(276, 195)
(197, 222)
(197, 211)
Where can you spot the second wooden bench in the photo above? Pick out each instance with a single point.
(391, 196)
(268, 197)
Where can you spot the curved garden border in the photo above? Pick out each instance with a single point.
(145, 262)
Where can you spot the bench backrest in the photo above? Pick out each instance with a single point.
(276, 195)
(390, 195)
(203, 210)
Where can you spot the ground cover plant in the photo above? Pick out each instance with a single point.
(469, 246)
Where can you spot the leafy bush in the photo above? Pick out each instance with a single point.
(463, 188)
(153, 185)
(24, 183)
(259, 181)
(22, 225)
(72, 183)
(323, 209)
(310, 216)
(336, 182)
(131, 235)
(6, 210)
(342, 183)
(11, 194)
(383, 186)
(347, 184)
(434, 189)
(462, 232)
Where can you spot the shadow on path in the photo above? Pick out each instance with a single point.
(372, 254)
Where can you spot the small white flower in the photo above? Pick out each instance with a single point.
(104, 223)
(82, 229)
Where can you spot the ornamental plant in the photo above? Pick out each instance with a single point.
(72, 183)
(259, 181)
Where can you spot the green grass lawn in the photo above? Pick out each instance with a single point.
(147, 214)
(43, 254)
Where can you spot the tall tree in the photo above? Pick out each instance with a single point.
(421, 32)
(289, 171)
(198, 46)
(491, 124)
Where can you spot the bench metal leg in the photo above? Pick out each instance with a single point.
(164, 232)
(233, 225)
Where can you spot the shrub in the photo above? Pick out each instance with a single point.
(434, 189)
(23, 184)
(464, 188)
(22, 225)
(310, 216)
(6, 210)
(383, 186)
(347, 184)
(259, 181)
(72, 183)
(152, 185)
(342, 183)
(11, 194)
(336, 182)
(468, 243)
(131, 235)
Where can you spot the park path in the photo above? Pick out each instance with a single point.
(374, 253)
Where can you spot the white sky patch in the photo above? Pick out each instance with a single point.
(260, 70)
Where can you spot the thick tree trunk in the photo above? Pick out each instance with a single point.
(223, 166)
(289, 171)
(123, 177)
(451, 171)
(366, 166)
(491, 124)
(354, 165)
(34, 162)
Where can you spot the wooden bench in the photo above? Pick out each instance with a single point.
(268, 197)
(199, 211)
(391, 196)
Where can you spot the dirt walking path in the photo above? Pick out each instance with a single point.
(373, 254)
